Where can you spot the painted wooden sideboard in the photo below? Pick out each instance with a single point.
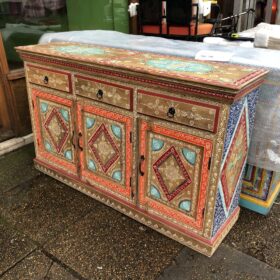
(161, 139)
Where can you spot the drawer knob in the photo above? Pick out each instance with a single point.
(99, 94)
(171, 112)
(46, 80)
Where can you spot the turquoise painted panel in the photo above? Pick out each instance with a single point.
(157, 144)
(90, 122)
(254, 207)
(65, 114)
(68, 155)
(48, 146)
(117, 175)
(91, 165)
(155, 192)
(180, 66)
(190, 156)
(185, 205)
(117, 131)
(44, 107)
(80, 50)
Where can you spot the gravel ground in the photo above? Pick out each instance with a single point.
(258, 236)
(50, 231)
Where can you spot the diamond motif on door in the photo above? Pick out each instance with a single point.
(104, 148)
(57, 129)
(234, 163)
(175, 179)
(171, 173)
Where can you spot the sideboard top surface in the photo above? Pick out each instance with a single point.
(221, 75)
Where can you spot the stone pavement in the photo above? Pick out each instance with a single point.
(50, 231)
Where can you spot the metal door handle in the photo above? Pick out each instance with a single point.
(79, 145)
(72, 139)
(142, 158)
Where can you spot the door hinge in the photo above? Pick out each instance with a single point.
(130, 137)
(130, 182)
(38, 142)
(209, 163)
(203, 212)
(33, 104)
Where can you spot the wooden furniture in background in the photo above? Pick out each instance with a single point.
(172, 19)
(162, 139)
(14, 112)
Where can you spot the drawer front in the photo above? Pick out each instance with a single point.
(106, 92)
(55, 79)
(189, 112)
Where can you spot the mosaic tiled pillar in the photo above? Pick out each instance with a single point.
(259, 189)
(239, 131)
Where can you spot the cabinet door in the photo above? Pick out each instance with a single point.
(173, 177)
(54, 130)
(106, 156)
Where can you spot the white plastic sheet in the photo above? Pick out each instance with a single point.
(265, 143)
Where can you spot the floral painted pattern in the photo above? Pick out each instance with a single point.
(174, 67)
(80, 50)
(181, 66)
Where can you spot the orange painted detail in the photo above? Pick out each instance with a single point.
(42, 153)
(102, 180)
(235, 160)
(164, 210)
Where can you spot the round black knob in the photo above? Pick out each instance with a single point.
(99, 94)
(171, 112)
(46, 80)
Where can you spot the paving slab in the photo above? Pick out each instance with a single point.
(42, 207)
(57, 272)
(37, 266)
(14, 246)
(107, 245)
(33, 267)
(17, 168)
(227, 264)
(258, 235)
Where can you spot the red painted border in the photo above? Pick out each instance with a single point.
(55, 71)
(94, 137)
(110, 84)
(46, 125)
(171, 195)
(41, 151)
(110, 184)
(145, 201)
(188, 101)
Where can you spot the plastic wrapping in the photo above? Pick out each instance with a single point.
(265, 142)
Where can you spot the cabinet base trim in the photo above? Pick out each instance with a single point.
(206, 247)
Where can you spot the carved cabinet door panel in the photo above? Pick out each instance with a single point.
(54, 130)
(106, 150)
(173, 174)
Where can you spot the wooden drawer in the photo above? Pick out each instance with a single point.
(106, 92)
(186, 111)
(55, 79)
